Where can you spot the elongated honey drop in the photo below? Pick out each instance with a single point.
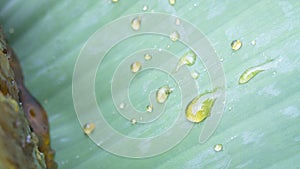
(189, 59)
(251, 72)
(198, 109)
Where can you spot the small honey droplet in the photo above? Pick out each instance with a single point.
(174, 36)
(163, 93)
(114, 1)
(195, 75)
(133, 121)
(236, 45)
(149, 108)
(218, 147)
(145, 8)
(253, 42)
(147, 57)
(88, 128)
(135, 67)
(189, 58)
(136, 23)
(172, 2)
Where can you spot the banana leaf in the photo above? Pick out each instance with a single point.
(260, 123)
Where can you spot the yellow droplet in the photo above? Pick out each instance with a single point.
(149, 108)
(88, 128)
(136, 23)
(147, 57)
(189, 58)
(133, 121)
(172, 2)
(195, 75)
(114, 1)
(145, 8)
(253, 42)
(218, 147)
(174, 36)
(163, 93)
(236, 44)
(252, 72)
(198, 110)
(135, 67)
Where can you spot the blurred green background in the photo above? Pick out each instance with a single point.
(261, 121)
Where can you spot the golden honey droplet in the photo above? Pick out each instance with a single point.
(147, 57)
(88, 128)
(252, 72)
(174, 36)
(195, 75)
(114, 1)
(189, 58)
(133, 121)
(236, 45)
(136, 23)
(135, 67)
(149, 108)
(198, 110)
(172, 2)
(218, 147)
(163, 93)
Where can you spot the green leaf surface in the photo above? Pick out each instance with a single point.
(260, 124)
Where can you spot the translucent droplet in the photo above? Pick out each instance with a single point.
(189, 58)
(198, 109)
(252, 72)
(163, 93)
(218, 147)
(122, 106)
(236, 44)
(172, 2)
(136, 23)
(253, 42)
(195, 75)
(88, 128)
(133, 121)
(149, 108)
(147, 57)
(177, 21)
(221, 59)
(114, 1)
(11, 30)
(135, 67)
(229, 108)
(145, 8)
(174, 36)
